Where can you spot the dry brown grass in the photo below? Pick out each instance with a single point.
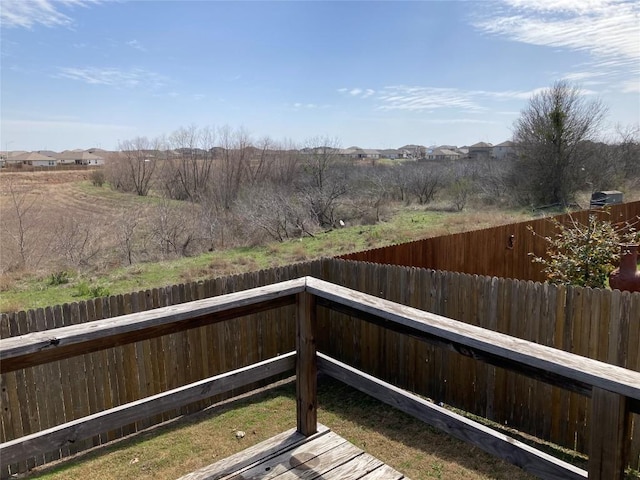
(166, 452)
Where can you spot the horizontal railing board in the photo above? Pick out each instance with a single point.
(513, 350)
(43, 347)
(57, 437)
(491, 441)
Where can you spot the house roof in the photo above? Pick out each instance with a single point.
(507, 143)
(76, 155)
(29, 156)
(445, 152)
(481, 145)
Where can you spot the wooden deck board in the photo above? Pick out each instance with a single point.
(291, 456)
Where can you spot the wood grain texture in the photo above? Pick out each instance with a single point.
(306, 369)
(41, 347)
(253, 455)
(70, 432)
(611, 420)
(512, 351)
(495, 443)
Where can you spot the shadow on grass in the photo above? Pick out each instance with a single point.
(356, 417)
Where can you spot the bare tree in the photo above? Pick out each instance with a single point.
(133, 169)
(323, 182)
(171, 229)
(75, 241)
(276, 211)
(24, 226)
(232, 160)
(425, 180)
(192, 163)
(550, 137)
(130, 238)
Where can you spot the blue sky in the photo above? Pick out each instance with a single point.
(81, 74)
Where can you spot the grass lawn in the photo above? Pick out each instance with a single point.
(172, 450)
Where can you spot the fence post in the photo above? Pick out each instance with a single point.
(608, 447)
(306, 368)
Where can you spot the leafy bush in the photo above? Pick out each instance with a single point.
(584, 255)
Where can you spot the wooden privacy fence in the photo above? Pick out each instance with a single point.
(40, 397)
(614, 391)
(600, 324)
(594, 323)
(501, 251)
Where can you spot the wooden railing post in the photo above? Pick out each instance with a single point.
(306, 365)
(608, 444)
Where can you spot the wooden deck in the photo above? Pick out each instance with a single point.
(290, 456)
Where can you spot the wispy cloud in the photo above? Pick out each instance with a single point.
(137, 45)
(606, 30)
(456, 121)
(29, 13)
(357, 92)
(114, 77)
(417, 98)
(305, 105)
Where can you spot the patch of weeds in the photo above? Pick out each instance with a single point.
(436, 470)
(58, 278)
(84, 290)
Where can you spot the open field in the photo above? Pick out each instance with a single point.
(64, 195)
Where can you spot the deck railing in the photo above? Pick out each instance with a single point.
(614, 391)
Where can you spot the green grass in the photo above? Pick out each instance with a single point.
(26, 291)
(167, 452)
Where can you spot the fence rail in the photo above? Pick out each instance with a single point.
(615, 391)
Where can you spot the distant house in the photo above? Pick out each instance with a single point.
(79, 157)
(351, 152)
(443, 154)
(34, 159)
(480, 151)
(503, 150)
(368, 153)
(358, 153)
(415, 152)
(390, 153)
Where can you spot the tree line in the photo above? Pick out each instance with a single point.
(219, 188)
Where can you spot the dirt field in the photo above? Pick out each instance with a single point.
(49, 202)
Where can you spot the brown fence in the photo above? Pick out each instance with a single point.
(41, 397)
(600, 324)
(501, 251)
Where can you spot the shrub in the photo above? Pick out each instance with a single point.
(84, 290)
(97, 177)
(584, 255)
(59, 278)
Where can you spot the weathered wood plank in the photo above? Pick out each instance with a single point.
(298, 459)
(306, 369)
(513, 352)
(253, 455)
(384, 472)
(610, 423)
(43, 347)
(61, 435)
(355, 468)
(495, 443)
